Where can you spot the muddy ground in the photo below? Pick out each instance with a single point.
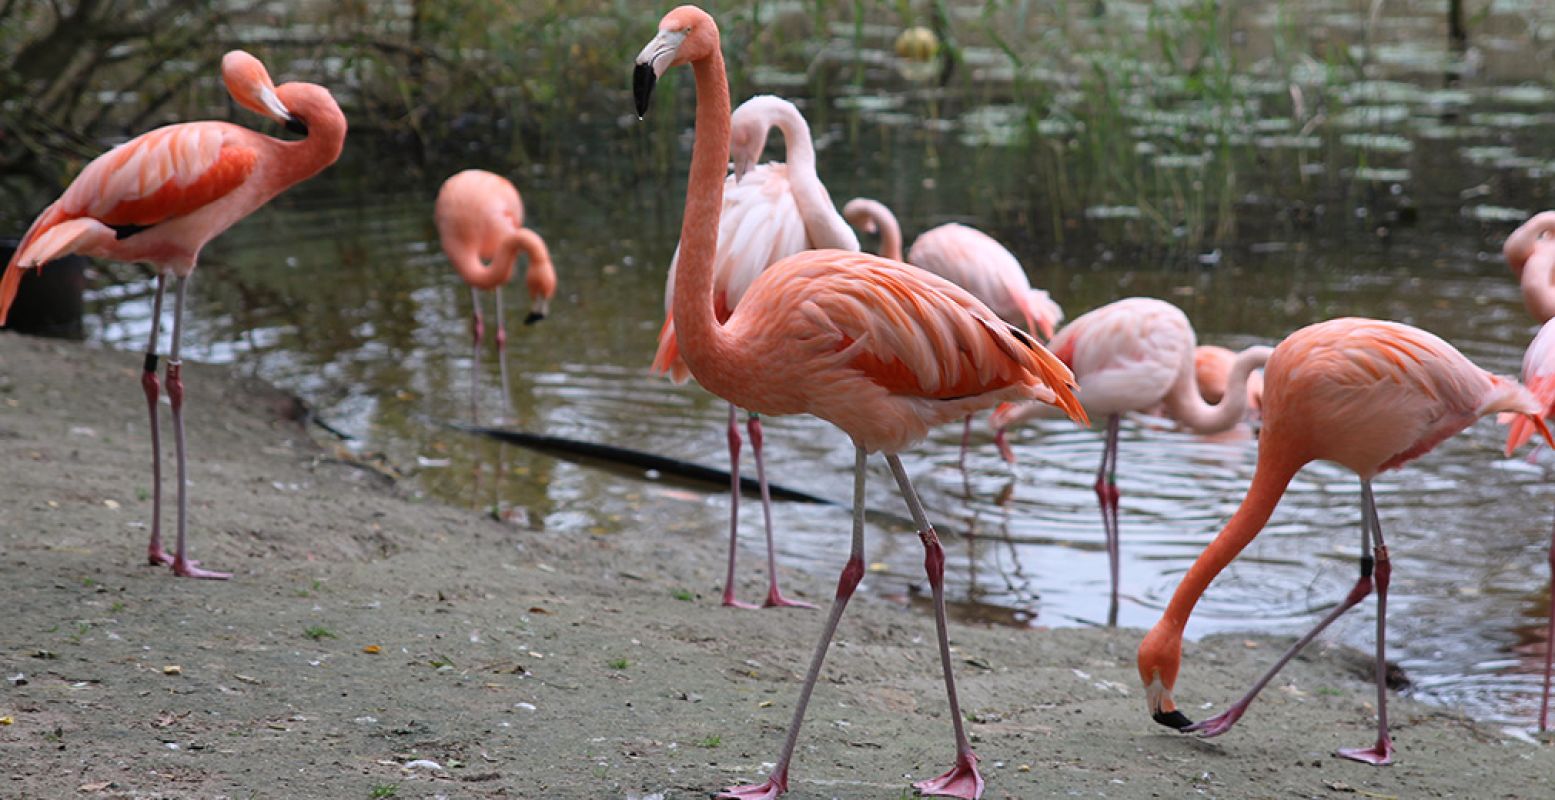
(366, 630)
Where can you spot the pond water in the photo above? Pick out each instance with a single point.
(338, 292)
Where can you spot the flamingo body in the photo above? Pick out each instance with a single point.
(1365, 394)
(973, 260)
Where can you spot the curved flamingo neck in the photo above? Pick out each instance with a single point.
(1188, 407)
(481, 276)
(1276, 467)
(863, 212)
(825, 227)
(541, 274)
(704, 345)
(326, 137)
(1538, 294)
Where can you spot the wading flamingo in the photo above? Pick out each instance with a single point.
(1367, 395)
(1135, 354)
(882, 350)
(1530, 251)
(770, 211)
(159, 198)
(480, 218)
(1212, 365)
(968, 258)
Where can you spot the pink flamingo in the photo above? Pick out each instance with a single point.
(1530, 251)
(159, 198)
(880, 349)
(968, 258)
(480, 218)
(770, 211)
(1136, 354)
(1367, 395)
(1212, 365)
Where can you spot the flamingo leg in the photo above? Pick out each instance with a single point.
(1222, 722)
(1549, 646)
(775, 596)
(1107, 496)
(963, 779)
(777, 782)
(478, 328)
(502, 361)
(734, 510)
(148, 382)
(182, 566)
(966, 439)
(1381, 753)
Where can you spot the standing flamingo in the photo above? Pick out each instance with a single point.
(1530, 251)
(1136, 354)
(770, 211)
(159, 198)
(968, 258)
(1369, 396)
(880, 349)
(480, 218)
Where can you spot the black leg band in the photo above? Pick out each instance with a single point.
(151, 363)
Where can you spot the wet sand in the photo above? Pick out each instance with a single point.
(532, 663)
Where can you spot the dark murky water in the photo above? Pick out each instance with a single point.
(1393, 208)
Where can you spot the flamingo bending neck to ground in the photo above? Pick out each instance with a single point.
(1136, 354)
(970, 259)
(770, 211)
(882, 350)
(1530, 251)
(480, 221)
(159, 198)
(1367, 395)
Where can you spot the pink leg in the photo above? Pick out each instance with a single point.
(148, 383)
(734, 510)
(1107, 496)
(966, 439)
(1381, 753)
(182, 566)
(1002, 441)
(777, 782)
(963, 779)
(502, 361)
(479, 330)
(775, 596)
(1549, 647)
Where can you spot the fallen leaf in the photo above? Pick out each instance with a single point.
(95, 786)
(372, 649)
(172, 669)
(6, 720)
(112, 504)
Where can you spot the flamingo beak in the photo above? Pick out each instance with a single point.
(643, 79)
(295, 124)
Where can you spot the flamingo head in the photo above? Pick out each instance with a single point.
(1538, 231)
(249, 83)
(746, 141)
(540, 278)
(1160, 654)
(860, 213)
(686, 34)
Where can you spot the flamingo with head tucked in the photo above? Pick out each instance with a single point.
(159, 198)
(1136, 354)
(880, 349)
(968, 258)
(1530, 251)
(770, 211)
(1367, 395)
(480, 222)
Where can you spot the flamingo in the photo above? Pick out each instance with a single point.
(1136, 354)
(1368, 395)
(159, 198)
(1530, 251)
(878, 348)
(968, 258)
(1212, 365)
(770, 211)
(480, 218)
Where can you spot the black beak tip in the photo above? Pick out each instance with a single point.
(534, 316)
(643, 78)
(1172, 719)
(297, 126)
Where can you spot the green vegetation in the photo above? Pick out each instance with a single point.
(384, 790)
(318, 632)
(619, 663)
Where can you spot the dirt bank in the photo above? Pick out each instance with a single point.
(536, 664)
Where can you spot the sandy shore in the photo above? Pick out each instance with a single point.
(540, 664)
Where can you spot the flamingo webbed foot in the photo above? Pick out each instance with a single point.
(729, 601)
(766, 790)
(1216, 725)
(1378, 755)
(963, 780)
(775, 599)
(191, 569)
